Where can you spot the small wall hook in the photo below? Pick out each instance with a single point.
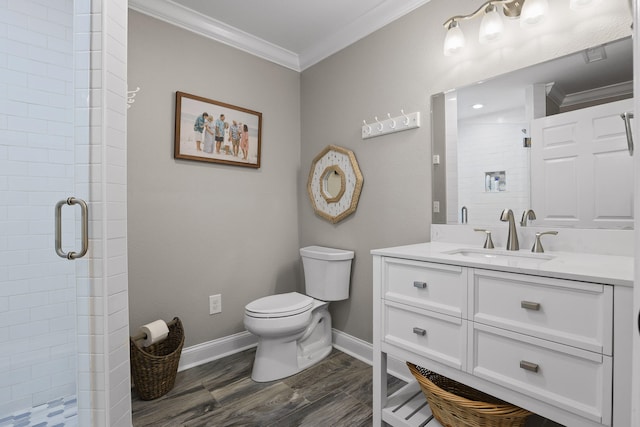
(406, 118)
(393, 122)
(368, 127)
(380, 125)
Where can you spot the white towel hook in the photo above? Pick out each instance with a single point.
(380, 125)
(406, 118)
(368, 128)
(393, 122)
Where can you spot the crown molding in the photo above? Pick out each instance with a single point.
(188, 19)
(605, 92)
(564, 100)
(383, 14)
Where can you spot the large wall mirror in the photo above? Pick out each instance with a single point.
(547, 137)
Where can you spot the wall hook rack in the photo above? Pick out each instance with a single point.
(131, 94)
(390, 124)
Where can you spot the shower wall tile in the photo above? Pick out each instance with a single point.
(36, 71)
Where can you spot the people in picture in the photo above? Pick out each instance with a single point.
(219, 137)
(227, 139)
(234, 135)
(198, 128)
(209, 135)
(244, 142)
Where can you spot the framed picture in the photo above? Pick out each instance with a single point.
(212, 131)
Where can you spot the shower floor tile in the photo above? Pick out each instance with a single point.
(62, 412)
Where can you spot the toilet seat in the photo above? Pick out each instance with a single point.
(280, 305)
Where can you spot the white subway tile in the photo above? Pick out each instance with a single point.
(26, 65)
(35, 299)
(23, 35)
(11, 77)
(27, 388)
(14, 376)
(49, 28)
(13, 17)
(27, 8)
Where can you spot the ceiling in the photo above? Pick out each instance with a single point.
(293, 33)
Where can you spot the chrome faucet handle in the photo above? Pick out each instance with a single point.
(527, 214)
(488, 242)
(537, 246)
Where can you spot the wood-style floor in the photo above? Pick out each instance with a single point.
(336, 392)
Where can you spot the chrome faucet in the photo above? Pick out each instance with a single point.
(512, 238)
(528, 214)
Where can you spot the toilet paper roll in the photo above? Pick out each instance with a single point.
(156, 331)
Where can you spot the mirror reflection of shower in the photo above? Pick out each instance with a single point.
(478, 145)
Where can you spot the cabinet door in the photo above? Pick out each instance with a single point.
(436, 287)
(575, 380)
(564, 311)
(437, 336)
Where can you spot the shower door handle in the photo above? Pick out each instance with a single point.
(85, 228)
(627, 127)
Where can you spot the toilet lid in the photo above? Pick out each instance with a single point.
(280, 305)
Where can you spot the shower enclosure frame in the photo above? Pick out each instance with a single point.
(86, 122)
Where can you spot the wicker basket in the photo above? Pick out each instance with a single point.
(457, 405)
(154, 368)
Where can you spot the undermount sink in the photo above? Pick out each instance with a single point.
(513, 257)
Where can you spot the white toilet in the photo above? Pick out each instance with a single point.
(294, 330)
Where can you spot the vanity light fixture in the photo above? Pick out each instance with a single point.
(529, 12)
(533, 12)
(491, 26)
(579, 4)
(454, 40)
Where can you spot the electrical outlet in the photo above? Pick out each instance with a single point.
(436, 206)
(215, 304)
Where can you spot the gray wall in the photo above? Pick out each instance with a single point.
(177, 257)
(198, 229)
(399, 67)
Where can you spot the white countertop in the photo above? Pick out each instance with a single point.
(606, 269)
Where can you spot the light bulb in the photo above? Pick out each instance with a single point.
(533, 12)
(491, 26)
(454, 40)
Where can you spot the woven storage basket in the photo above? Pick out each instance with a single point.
(457, 405)
(154, 368)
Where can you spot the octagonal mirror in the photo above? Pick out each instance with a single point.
(334, 184)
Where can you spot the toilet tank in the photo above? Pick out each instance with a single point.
(327, 272)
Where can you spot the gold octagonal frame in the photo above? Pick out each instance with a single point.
(334, 159)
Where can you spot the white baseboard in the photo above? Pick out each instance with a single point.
(363, 351)
(216, 349)
(226, 346)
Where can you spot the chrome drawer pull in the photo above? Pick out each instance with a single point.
(528, 366)
(419, 331)
(530, 305)
(420, 285)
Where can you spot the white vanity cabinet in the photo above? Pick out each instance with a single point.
(543, 343)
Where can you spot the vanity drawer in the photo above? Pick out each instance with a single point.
(438, 287)
(576, 380)
(564, 311)
(437, 336)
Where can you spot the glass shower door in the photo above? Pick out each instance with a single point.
(44, 158)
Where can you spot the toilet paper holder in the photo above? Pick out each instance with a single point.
(143, 336)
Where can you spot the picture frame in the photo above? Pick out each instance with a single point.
(219, 142)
